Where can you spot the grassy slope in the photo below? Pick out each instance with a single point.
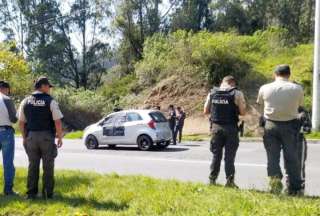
(93, 194)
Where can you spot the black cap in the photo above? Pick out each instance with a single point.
(4, 84)
(42, 81)
(282, 70)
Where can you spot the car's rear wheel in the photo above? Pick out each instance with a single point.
(144, 142)
(163, 145)
(92, 142)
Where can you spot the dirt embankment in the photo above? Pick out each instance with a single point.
(191, 95)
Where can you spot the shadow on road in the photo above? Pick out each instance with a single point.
(155, 149)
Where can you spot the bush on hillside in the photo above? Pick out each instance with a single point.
(207, 57)
(80, 107)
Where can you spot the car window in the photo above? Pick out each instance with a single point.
(119, 119)
(158, 117)
(133, 117)
(109, 120)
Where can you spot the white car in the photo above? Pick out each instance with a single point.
(144, 128)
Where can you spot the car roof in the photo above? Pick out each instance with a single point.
(140, 111)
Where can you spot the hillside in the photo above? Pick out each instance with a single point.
(181, 68)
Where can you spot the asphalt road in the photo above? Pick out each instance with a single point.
(189, 161)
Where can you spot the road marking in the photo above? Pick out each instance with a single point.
(160, 159)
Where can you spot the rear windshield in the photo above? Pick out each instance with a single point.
(158, 117)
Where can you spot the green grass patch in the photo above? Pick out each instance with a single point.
(79, 193)
(74, 135)
(313, 135)
(195, 137)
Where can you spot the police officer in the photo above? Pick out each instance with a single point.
(225, 104)
(181, 116)
(7, 118)
(281, 100)
(172, 122)
(40, 121)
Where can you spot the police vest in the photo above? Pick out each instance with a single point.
(38, 113)
(223, 108)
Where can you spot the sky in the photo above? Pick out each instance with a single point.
(111, 39)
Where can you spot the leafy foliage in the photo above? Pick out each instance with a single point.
(15, 70)
(207, 57)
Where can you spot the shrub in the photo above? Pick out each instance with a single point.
(15, 70)
(80, 107)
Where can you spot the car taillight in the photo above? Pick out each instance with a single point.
(152, 124)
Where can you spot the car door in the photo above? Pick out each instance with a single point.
(119, 130)
(133, 124)
(107, 130)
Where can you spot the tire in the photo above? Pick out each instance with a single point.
(144, 143)
(112, 146)
(91, 142)
(163, 145)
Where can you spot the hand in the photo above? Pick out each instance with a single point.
(59, 144)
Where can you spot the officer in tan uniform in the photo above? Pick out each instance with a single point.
(40, 122)
(281, 100)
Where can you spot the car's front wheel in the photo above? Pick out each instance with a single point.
(144, 142)
(163, 145)
(91, 142)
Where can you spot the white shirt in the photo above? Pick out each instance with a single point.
(281, 100)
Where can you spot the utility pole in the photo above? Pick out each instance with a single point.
(316, 72)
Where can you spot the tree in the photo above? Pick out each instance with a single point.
(50, 45)
(192, 15)
(15, 70)
(12, 22)
(135, 20)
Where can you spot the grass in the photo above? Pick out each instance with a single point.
(74, 135)
(313, 135)
(79, 193)
(195, 137)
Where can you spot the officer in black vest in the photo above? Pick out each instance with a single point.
(40, 122)
(224, 105)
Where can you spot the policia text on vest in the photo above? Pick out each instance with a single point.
(40, 122)
(224, 105)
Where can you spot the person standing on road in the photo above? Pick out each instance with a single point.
(7, 143)
(224, 105)
(181, 116)
(172, 122)
(282, 99)
(40, 121)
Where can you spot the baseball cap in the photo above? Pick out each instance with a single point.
(42, 81)
(4, 84)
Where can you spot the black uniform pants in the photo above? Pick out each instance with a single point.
(283, 136)
(173, 128)
(40, 145)
(302, 156)
(178, 133)
(224, 137)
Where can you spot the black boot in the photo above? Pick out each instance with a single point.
(213, 180)
(230, 183)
